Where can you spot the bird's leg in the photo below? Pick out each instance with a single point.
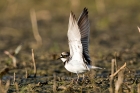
(78, 77)
(83, 77)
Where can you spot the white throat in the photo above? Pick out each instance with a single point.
(64, 59)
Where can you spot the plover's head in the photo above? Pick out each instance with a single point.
(64, 56)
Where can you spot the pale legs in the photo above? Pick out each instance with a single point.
(79, 77)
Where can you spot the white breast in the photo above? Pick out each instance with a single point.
(75, 66)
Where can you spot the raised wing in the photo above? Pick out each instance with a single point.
(84, 26)
(74, 37)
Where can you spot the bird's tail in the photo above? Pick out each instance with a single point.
(94, 67)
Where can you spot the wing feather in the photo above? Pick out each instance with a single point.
(74, 37)
(84, 26)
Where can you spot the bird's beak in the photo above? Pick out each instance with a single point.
(59, 58)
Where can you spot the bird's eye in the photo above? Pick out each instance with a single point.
(64, 56)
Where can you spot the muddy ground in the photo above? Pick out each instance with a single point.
(114, 35)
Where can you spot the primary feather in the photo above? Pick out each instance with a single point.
(84, 26)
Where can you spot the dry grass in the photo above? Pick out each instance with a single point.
(35, 27)
(34, 63)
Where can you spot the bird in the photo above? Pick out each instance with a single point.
(78, 60)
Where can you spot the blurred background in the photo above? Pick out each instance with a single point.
(113, 28)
